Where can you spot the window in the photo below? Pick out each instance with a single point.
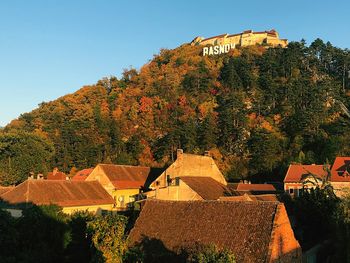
(177, 181)
(291, 190)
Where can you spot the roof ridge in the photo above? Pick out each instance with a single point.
(123, 165)
(27, 192)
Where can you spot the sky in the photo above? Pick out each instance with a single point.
(51, 48)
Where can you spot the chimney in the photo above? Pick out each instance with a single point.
(31, 176)
(55, 171)
(207, 153)
(179, 152)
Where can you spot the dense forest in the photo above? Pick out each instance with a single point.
(255, 109)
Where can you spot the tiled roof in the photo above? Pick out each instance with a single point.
(297, 172)
(241, 188)
(82, 174)
(62, 193)
(340, 171)
(206, 187)
(56, 176)
(255, 187)
(126, 176)
(245, 228)
(249, 197)
(4, 189)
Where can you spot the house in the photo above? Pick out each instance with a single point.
(57, 175)
(70, 195)
(299, 176)
(190, 177)
(123, 182)
(253, 231)
(340, 176)
(82, 174)
(190, 188)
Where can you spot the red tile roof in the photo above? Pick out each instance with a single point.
(82, 174)
(4, 189)
(297, 172)
(119, 184)
(340, 171)
(126, 176)
(62, 193)
(56, 176)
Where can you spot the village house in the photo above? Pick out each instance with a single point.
(246, 38)
(253, 231)
(72, 196)
(190, 177)
(300, 176)
(123, 182)
(340, 176)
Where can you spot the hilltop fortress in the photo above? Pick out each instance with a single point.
(225, 42)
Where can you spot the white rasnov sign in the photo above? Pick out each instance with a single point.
(217, 50)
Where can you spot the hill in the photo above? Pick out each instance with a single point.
(255, 109)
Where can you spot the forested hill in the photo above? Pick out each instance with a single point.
(255, 109)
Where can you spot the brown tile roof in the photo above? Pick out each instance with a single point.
(62, 193)
(266, 197)
(245, 228)
(244, 197)
(249, 197)
(5, 189)
(340, 171)
(126, 176)
(255, 187)
(206, 187)
(82, 174)
(297, 172)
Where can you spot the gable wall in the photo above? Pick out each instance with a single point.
(99, 175)
(283, 246)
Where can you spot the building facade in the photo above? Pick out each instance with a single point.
(246, 38)
(122, 182)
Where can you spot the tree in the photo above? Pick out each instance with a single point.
(22, 154)
(108, 237)
(266, 151)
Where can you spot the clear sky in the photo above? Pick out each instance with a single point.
(50, 48)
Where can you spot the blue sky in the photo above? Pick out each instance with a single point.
(50, 48)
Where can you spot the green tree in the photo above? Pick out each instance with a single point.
(108, 237)
(22, 154)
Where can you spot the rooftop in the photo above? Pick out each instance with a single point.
(62, 193)
(245, 228)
